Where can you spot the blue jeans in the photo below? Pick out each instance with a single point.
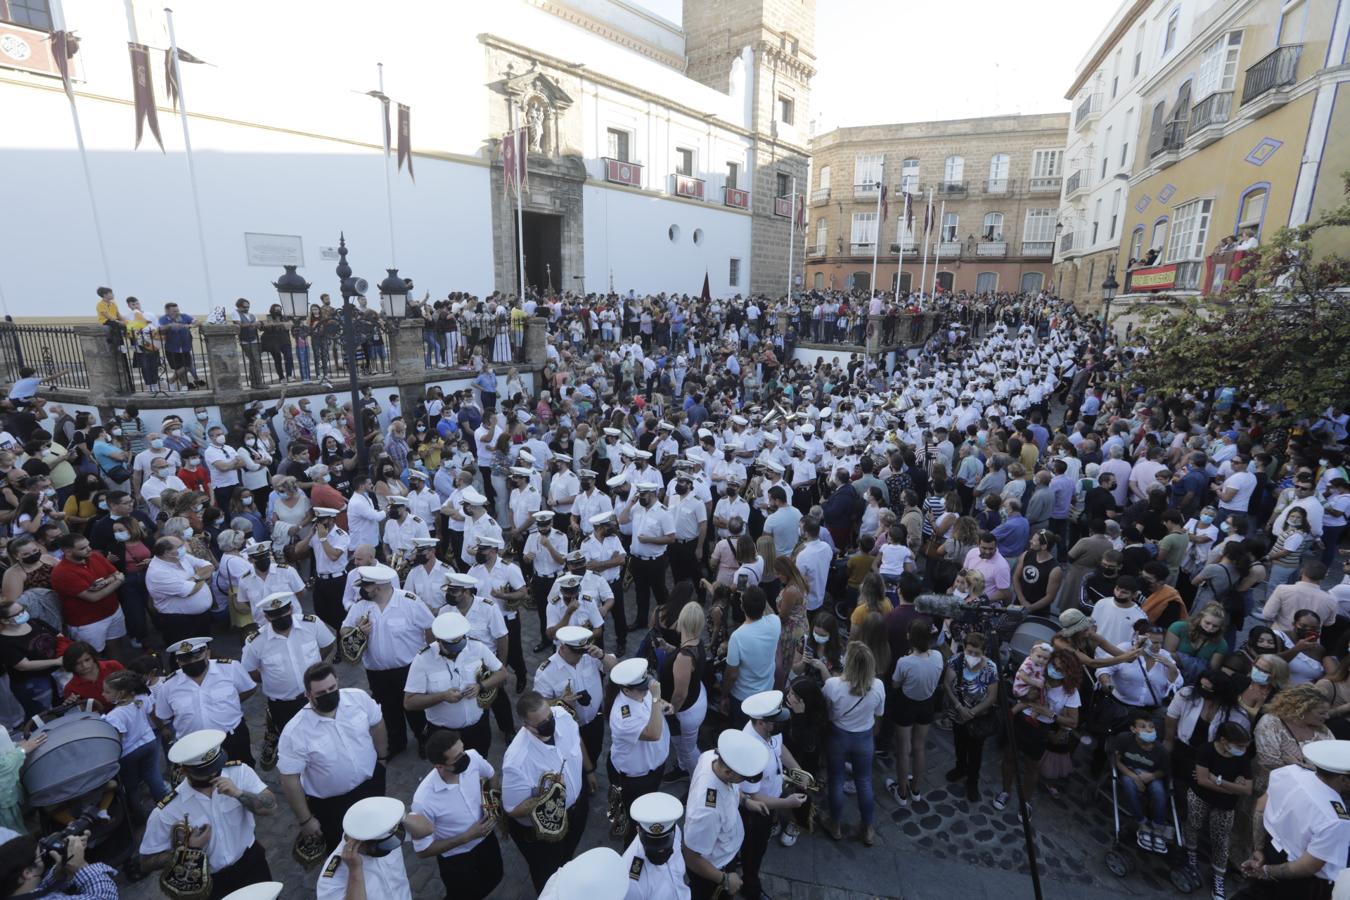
(857, 749)
(434, 350)
(143, 766)
(134, 600)
(302, 359)
(1157, 800)
(1331, 539)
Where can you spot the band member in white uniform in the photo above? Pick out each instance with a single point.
(575, 674)
(655, 859)
(329, 545)
(370, 859)
(605, 557)
(206, 693)
(545, 553)
(444, 681)
(277, 655)
(453, 823)
(713, 830)
(639, 739)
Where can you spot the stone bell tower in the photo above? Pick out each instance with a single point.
(770, 44)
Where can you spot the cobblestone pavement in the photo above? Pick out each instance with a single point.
(942, 847)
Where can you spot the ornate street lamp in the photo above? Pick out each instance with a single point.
(1108, 294)
(293, 292)
(352, 287)
(394, 295)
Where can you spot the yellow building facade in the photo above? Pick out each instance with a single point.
(1244, 131)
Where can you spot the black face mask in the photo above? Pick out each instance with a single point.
(326, 703)
(282, 623)
(481, 557)
(461, 765)
(384, 846)
(262, 563)
(658, 850)
(682, 488)
(546, 728)
(366, 591)
(195, 668)
(453, 649)
(201, 776)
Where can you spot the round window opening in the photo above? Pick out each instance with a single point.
(673, 233)
(698, 235)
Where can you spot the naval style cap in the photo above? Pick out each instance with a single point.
(460, 580)
(562, 457)
(196, 749)
(277, 602)
(424, 543)
(1329, 756)
(603, 518)
(325, 512)
(376, 574)
(740, 420)
(521, 471)
(743, 754)
(774, 467)
(569, 583)
(263, 890)
(373, 818)
(417, 474)
(488, 540)
(630, 673)
(189, 646)
(597, 874)
(470, 497)
(573, 635)
(613, 432)
(576, 556)
(260, 548)
(766, 705)
(642, 454)
(656, 813)
(588, 473)
(397, 500)
(543, 517)
(449, 626)
(617, 481)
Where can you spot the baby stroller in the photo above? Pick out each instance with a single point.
(73, 776)
(1118, 858)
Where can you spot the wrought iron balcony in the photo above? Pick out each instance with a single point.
(1078, 182)
(1277, 69)
(998, 186)
(1046, 184)
(991, 248)
(1089, 110)
(1066, 242)
(949, 249)
(1208, 118)
(1038, 248)
(951, 187)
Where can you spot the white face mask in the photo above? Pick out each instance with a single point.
(187, 536)
(218, 439)
(973, 662)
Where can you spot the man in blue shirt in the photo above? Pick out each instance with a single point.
(1190, 485)
(486, 382)
(781, 525)
(1013, 533)
(696, 412)
(177, 330)
(1061, 491)
(752, 654)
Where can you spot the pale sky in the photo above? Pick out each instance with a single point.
(883, 61)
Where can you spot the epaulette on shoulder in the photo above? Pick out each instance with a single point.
(249, 638)
(234, 762)
(310, 618)
(224, 659)
(168, 798)
(331, 869)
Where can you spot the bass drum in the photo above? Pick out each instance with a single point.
(1032, 631)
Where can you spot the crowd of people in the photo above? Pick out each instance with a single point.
(750, 587)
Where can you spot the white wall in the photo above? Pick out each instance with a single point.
(626, 235)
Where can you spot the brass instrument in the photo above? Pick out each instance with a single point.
(188, 874)
(267, 758)
(492, 800)
(807, 782)
(562, 704)
(485, 695)
(614, 811)
(402, 564)
(309, 849)
(549, 816)
(353, 641)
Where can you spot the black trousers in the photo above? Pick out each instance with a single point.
(501, 711)
(649, 577)
(593, 736)
(473, 875)
(702, 889)
(540, 585)
(238, 745)
(386, 686)
(633, 786)
(515, 653)
(330, 810)
(456, 543)
(251, 868)
(620, 613)
(282, 711)
(477, 736)
(969, 752)
(684, 561)
(1311, 888)
(543, 858)
(753, 847)
(328, 600)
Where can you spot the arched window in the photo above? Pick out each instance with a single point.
(818, 281)
(1031, 282)
(986, 282)
(993, 227)
(1252, 208)
(1159, 236)
(1137, 242)
(950, 224)
(998, 174)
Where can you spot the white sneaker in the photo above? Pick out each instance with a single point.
(1001, 801)
(914, 790)
(789, 835)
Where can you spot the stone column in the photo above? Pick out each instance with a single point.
(873, 337)
(536, 342)
(229, 380)
(408, 363)
(106, 370)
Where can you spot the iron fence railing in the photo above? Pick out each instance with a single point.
(1276, 69)
(50, 350)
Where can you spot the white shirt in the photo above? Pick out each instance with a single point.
(132, 721)
(212, 704)
(771, 780)
(689, 514)
(1134, 683)
(501, 575)
(528, 758)
(152, 487)
(1304, 815)
(729, 508)
(1244, 483)
(592, 504)
(563, 484)
(398, 631)
(651, 882)
(1116, 623)
(424, 505)
(712, 819)
(254, 588)
(231, 823)
(283, 659)
(331, 755)
(221, 454)
(483, 526)
(653, 522)
(630, 754)
(398, 536)
(385, 877)
(429, 586)
(813, 560)
(487, 625)
(363, 520)
(595, 592)
(351, 591)
(545, 566)
(452, 809)
(171, 586)
(338, 540)
(432, 672)
(555, 676)
(850, 712)
(523, 503)
(599, 551)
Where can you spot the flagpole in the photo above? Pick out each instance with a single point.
(876, 235)
(792, 236)
(927, 231)
(520, 213)
(900, 257)
(187, 147)
(937, 249)
(388, 180)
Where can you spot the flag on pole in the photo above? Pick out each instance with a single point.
(928, 216)
(909, 214)
(171, 74)
(513, 159)
(143, 93)
(706, 295)
(64, 46)
(801, 212)
(885, 205)
(405, 139)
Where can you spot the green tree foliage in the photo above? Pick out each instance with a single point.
(1280, 333)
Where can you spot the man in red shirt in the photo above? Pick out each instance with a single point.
(88, 587)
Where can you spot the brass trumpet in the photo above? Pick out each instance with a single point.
(492, 800)
(485, 695)
(188, 874)
(353, 641)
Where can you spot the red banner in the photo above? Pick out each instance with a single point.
(1154, 278)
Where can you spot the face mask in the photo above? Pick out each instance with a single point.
(246, 501)
(201, 417)
(21, 618)
(195, 668)
(182, 552)
(121, 535)
(116, 432)
(103, 505)
(191, 463)
(481, 557)
(1223, 527)
(1237, 751)
(1052, 672)
(1259, 676)
(546, 728)
(973, 662)
(658, 850)
(326, 703)
(453, 649)
(187, 535)
(175, 433)
(263, 563)
(461, 765)
(1205, 520)
(157, 443)
(218, 440)
(1147, 737)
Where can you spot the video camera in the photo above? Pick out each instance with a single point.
(57, 843)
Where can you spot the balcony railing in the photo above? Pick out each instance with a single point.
(820, 195)
(948, 249)
(864, 249)
(1077, 182)
(1089, 109)
(687, 186)
(1066, 242)
(782, 206)
(1038, 248)
(866, 190)
(1046, 184)
(991, 248)
(621, 171)
(1278, 68)
(998, 186)
(736, 197)
(951, 187)
(1167, 140)
(1213, 110)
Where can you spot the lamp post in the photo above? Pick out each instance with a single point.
(394, 295)
(1108, 294)
(351, 287)
(293, 293)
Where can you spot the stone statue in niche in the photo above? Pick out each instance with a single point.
(534, 119)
